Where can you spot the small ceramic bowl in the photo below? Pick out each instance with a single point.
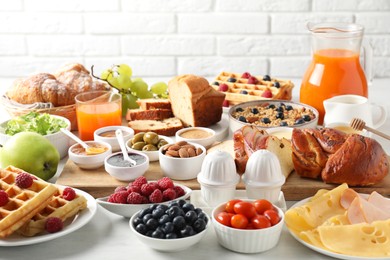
(200, 135)
(153, 155)
(281, 132)
(247, 240)
(107, 134)
(287, 107)
(88, 161)
(126, 172)
(60, 141)
(178, 168)
(128, 210)
(168, 245)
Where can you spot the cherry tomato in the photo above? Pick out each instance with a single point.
(260, 221)
(273, 216)
(224, 218)
(262, 205)
(230, 205)
(239, 221)
(245, 208)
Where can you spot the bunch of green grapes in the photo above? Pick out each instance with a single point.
(132, 89)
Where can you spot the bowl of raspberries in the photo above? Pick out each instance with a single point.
(141, 193)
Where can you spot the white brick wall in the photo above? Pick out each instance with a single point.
(163, 38)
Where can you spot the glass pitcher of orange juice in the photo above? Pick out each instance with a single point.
(335, 68)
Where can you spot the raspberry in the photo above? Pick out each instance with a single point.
(225, 103)
(120, 197)
(165, 183)
(24, 180)
(223, 87)
(145, 200)
(133, 189)
(252, 80)
(154, 185)
(267, 94)
(139, 181)
(135, 198)
(169, 194)
(53, 224)
(156, 196)
(179, 191)
(111, 198)
(246, 75)
(3, 198)
(69, 194)
(120, 188)
(147, 189)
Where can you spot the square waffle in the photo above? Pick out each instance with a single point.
(23, 204)
(58, 207)
(241, 91)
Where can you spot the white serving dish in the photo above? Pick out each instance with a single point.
(126, 173)
(89, 161)
(153, 155)
(127, 132)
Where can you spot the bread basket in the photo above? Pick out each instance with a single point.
(16, 109)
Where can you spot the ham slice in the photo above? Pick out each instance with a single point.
(361, 211)
(379, 201)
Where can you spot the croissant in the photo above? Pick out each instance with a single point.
(336, 157)
(59, 89)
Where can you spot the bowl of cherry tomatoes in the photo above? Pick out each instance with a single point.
(248, 226)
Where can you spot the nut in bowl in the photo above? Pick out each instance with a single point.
(184, 226)
(79, 156)
(200, 135)
(107, 134)
(181, 160)
(252, 226)
(148, 143)
(266, 114)
(123, 170)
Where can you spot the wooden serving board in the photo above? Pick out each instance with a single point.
(99, 183)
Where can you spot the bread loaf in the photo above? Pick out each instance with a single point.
(154, 103)
(59, 89)
(167, 127)
(338, 158)
(150, 114)
(194, 101)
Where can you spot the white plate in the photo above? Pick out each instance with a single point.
(326, 252)
(221, 128)
(70, 225)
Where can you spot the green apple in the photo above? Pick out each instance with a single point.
(31, 152)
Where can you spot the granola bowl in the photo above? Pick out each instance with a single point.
(268, 114)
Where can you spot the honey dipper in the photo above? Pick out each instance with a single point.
(358, 124)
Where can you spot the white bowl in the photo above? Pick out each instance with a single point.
(181, 168)
(200, 135)
(126, 173)
(153, 155)
(169, 245)
(236, 124)
(128, 210)
(60, 141)
(89, 161)
(128, 133)
(281, 132)
(247, 240)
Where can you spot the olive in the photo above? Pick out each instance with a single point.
(138, 146)
(161, 143)
(138, 138)
(149, 147)
(151, 138)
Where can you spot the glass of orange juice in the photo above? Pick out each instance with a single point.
(96, 109)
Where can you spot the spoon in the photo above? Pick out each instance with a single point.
(359, 124)
(88, 149)
(119, 137)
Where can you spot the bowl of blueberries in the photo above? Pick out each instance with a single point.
(173, 227)
(267, 114)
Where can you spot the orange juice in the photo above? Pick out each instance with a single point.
(93, 116)
(332, 72)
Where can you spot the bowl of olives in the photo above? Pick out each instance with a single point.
(148, 143)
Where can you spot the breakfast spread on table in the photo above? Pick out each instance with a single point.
(265, 126)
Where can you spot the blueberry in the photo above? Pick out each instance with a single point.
(174, 211)
(182, 202)
(168, 227)
(190, 217)
(171, 236)
(289, 107)
(141, 228)
(137, 221)
(158, 234)
(266, 120)
(157, 213)
(231, 80)
(267, 78)
(187, 231)
(152, 224)
(242, 119)
(188, 206)
(173, 203)
(198, 211)
(162, 206)
(306, 118)
(216, 83)
(299, 121)
(276, 84)
(164, 219)
(280, 115)
(179, 222)
(244, 92)
(203, 216)
(254, 111)
(279, 109)
(153, 207)
(145, 211)
(283, 123)
(239, 109)
(147, 217)
(199, 225)
(271, 106)
(149, 233)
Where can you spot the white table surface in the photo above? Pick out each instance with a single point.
(108, 236)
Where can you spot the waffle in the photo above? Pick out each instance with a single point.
(58, 207)
(254, 91)
(23, 204)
